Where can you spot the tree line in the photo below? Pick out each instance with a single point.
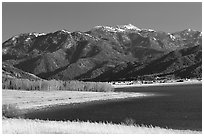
(50, 85)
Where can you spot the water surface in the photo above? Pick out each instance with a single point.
(176, 107)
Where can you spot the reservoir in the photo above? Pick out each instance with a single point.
(176, 107)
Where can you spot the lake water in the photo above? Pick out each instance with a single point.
(176, 107)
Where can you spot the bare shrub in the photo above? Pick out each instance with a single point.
(129, 121)
(11, 111)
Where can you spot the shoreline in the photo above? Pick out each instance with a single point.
(157, 84)
(34, 100)
(85, 103)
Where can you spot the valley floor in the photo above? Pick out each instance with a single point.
(27, 100)
(40, 99)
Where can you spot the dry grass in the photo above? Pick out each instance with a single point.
(25, 126)
(39, 99)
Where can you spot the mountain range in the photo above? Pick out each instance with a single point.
(104, 53)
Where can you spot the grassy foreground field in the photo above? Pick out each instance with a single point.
(25, 126)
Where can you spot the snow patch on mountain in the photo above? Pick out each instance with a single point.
(128, 27)
(14, 37)
(154, 38)
(65, 31)
(5, 50)
(37, 34)
(118, 28)
(28, 39)
(151, 30)
(172, 37)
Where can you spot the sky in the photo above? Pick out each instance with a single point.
(82, 16)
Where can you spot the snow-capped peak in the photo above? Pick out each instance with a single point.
(106, 28)
(128, 27)
(110, 28)
(118, 28)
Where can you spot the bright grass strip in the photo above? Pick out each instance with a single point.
(27, 126)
